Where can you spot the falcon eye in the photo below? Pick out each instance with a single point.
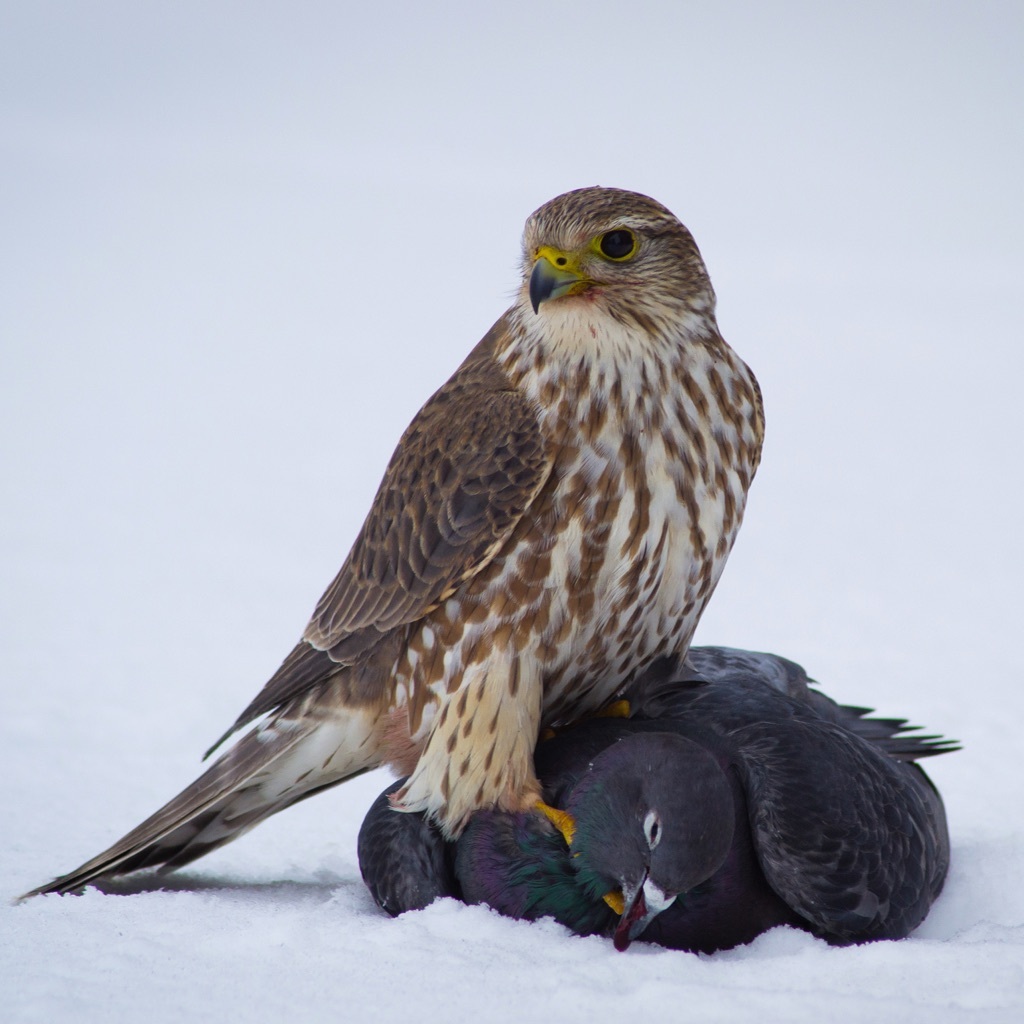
(619, 244)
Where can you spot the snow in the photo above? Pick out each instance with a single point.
(241, 246)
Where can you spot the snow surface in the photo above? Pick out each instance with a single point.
(243, 243)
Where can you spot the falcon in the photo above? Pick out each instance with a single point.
(554, 519)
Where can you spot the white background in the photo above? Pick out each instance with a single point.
(242, 243)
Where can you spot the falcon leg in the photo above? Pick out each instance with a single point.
(480, 749)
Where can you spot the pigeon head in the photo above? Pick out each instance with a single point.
(651, 818)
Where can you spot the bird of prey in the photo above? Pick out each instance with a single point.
(554, 518)
(732, 800)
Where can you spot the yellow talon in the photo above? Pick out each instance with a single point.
(615, 900)
(617, 709)
(562, 820)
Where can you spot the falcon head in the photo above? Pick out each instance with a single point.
(616, 252)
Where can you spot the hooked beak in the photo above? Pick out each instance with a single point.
(553, 275)
(642, 906)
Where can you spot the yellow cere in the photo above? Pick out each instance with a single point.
(561, 261)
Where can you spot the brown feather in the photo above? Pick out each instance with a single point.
(463, 474)
(554, 520)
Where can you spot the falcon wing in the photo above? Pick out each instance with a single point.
(463, 474)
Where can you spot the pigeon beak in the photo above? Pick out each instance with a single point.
(643, 905)
(554, 274)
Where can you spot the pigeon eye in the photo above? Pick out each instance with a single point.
(619, 244)
(652, 829)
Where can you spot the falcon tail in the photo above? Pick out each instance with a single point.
(279, 763)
